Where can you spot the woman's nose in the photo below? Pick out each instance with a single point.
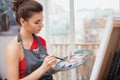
(42, 25)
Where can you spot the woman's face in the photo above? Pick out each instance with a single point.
(35, 23)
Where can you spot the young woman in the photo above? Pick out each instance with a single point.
(26, 54)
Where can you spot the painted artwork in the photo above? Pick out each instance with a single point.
(78, 58)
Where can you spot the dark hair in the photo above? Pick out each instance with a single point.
(25, 8)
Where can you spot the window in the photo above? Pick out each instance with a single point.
(89, 22)
(90, 18)
(59, 21)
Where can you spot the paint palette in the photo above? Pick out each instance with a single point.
(78, 58)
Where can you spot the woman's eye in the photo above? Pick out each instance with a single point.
(36, 22)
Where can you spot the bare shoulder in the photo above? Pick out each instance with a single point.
(13, 48)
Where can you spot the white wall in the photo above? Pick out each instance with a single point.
(4, 40)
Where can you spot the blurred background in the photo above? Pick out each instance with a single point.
(69, 25)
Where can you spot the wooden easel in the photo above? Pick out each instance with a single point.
(110, 43)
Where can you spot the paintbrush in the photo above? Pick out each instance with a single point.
(60, 58)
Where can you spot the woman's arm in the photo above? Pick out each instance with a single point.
(12, 62)
(12, 65)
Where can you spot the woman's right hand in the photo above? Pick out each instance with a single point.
(49, 61)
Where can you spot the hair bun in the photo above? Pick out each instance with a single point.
(16, 4)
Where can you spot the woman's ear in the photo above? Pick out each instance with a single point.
(22, 21)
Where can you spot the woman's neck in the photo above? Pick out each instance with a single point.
(26, 35)
(27, 38)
